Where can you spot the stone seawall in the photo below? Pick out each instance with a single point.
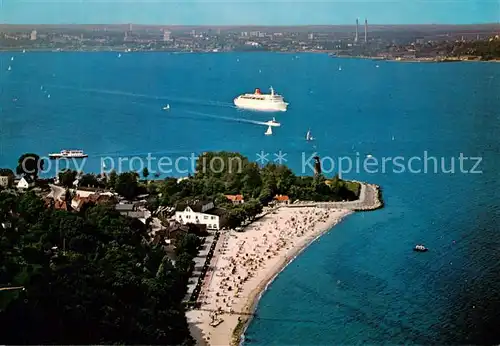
(370, 198)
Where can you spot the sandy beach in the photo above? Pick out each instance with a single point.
(245, 262)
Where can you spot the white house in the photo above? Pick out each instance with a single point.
(197, 213)
(25, 183)
(5, 181)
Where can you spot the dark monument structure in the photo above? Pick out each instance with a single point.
(317, 165)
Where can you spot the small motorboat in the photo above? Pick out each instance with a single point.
(166, 108)
(272, 123)
(420, 248)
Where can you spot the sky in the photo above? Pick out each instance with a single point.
(245, 12)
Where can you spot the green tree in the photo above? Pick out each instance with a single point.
(252, 208)
(6, 172)
(112, 178)
(251, 180)
(67, 177)
(235, 217)
(127, 185)
(265, 196)
(89, 278)
(152, 203)
(187, 243)
(89, 180)
(29, 164)
(145, 173)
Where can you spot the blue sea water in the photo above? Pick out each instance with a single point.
(361, 282)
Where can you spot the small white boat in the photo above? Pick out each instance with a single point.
(24, 50)
(369, 156)
(119, 55)
(309, 137)
(166, 108)
(272, 123)
(12, 59)
(392, 137)
(48, 96)
(9, 68)
(41, 87)
(77, 154)
(377, 66)
(340, 68)
(269, 131)
(420, 248)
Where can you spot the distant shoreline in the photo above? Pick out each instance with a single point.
(418, 60)
(124, 50)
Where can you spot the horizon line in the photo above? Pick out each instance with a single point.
(249, 25)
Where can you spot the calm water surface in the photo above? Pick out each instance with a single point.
(360, 283)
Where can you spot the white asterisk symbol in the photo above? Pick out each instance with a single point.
(262, 157)
(280, 158)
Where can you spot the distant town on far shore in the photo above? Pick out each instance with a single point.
(398, 42)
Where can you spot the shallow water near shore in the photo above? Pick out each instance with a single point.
(360, 283)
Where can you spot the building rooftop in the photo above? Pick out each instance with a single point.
(281, 198)
(235, 198)
(197, 206)
(125, 207)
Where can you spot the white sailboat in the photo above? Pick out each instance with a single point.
(24, 50)
(392, 137)
(167, 107)
(269, 131)
(309, 137)
(12, 59)
(119, 55)
(340, 68)
(10, 68)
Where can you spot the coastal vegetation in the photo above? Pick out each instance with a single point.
(87, 278)
(95, 276)
(225, 173)
(29, 164)
(484, 49)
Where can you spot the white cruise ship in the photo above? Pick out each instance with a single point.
(76, 154)
(261, 102)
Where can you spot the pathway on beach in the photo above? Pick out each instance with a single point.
(368, 200)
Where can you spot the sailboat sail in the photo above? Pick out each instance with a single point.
(269, 131)
(308, 136)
